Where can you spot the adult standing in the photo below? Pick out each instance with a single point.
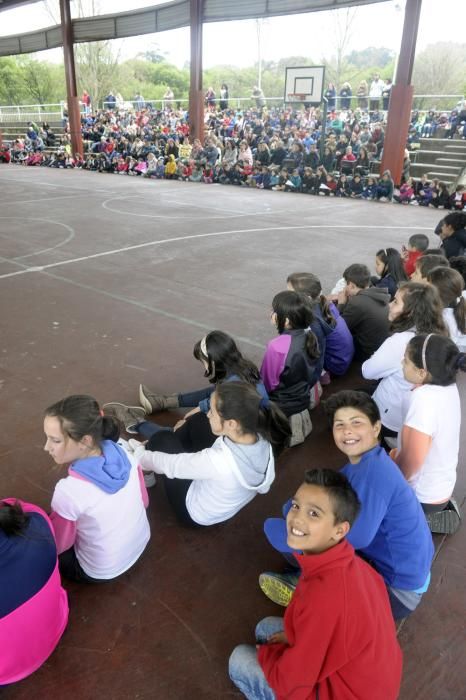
(386, 92)
(110, 101)
(224, 96)
(362, 94)
(168, 98)
(258, 95)
(345, 96)
(375, 93)
(331, 95)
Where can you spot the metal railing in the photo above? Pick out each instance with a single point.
(41, 112)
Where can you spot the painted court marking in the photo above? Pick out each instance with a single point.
(177, 239)
(172, 215)
(43, 250)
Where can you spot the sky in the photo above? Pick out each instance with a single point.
(235, 43)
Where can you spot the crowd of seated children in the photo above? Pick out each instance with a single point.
(277, 149)
(222, 454)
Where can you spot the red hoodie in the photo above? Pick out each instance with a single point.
(341, 635)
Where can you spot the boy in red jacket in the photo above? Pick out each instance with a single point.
(338, 638)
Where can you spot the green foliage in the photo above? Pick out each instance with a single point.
(371, 56)
(438, 70)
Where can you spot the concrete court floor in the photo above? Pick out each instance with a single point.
(107, 281)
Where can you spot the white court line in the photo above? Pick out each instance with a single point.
(177, 239)
(29, 181)
(47, 199)
(148, 307)
(44, 250)
(105, 206)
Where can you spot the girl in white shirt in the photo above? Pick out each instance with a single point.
(416, 308)
(450, 286)
(428, 443)
(211, 486)
(98, 509)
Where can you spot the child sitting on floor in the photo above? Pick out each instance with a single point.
(450, 286)
(339, 346)
(337, 639)
(390, 532)
(293, 361)
(211, 486)
(417, 244)
(370, 189)
(428, 444)
(389, 267)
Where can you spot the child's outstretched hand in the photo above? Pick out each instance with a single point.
(277, 638)
(137, 448)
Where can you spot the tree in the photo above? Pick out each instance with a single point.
(439, 70)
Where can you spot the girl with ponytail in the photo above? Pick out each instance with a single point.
(211, 486)
(33, 605)
(428, 444)
(450, 286)
(293, 361)
(98, 509)
(339, 346)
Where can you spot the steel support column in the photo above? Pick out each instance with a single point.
(401, 98)
(74, 115)
(196, 95)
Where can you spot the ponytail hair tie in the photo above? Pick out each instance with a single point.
(101, 413)
(264, 403)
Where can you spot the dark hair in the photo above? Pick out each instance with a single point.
(343, 498)
(13, 519)
(426, 263)
(422, 310)
(393, 264)
(458, 262)
(224, 358)
(308, 284)
(297, 309)
(351, 399)
(450, 286)
(358, 274)
(457, 220)
(419, 241)
(241, 402)
(439, 252)
(442, 358)
(80, 415)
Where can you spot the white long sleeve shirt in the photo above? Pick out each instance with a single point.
(220, 486)
(385, 364)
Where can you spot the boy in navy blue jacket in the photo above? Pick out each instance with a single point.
(391, 531)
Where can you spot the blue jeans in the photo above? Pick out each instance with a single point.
(244, 668)
(192, 398)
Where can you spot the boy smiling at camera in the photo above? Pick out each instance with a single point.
(337, 638)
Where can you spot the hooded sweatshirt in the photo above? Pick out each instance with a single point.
(366, 315)
(339, 346)
(102, 498)
(225, 477)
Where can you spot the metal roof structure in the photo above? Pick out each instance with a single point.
(11, 4)
(159, 18)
